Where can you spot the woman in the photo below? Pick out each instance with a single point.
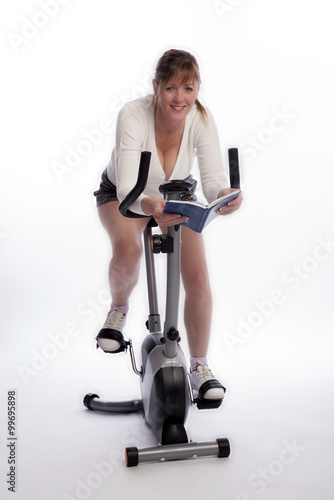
(174, 126)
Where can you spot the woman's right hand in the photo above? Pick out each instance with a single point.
(155, 207)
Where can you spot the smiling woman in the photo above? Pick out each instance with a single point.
(174, 126)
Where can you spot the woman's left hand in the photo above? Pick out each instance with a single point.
(233, 205)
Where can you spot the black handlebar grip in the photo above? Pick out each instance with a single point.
(233, 160)
(139, 187)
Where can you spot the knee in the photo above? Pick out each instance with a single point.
(127, 254)
(197, 282)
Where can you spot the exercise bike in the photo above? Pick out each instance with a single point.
(165, 384)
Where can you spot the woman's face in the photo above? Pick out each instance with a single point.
(177, 99)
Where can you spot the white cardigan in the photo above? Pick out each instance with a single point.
(135, 133)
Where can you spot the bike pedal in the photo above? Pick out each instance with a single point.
(109, 334)
(208, 404)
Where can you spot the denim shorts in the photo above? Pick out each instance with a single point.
(108, 192)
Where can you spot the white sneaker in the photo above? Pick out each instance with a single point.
(110, 337)
(115, 320)
(203, 381)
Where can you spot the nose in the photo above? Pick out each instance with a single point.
(178, 96)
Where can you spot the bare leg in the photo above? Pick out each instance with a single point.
(198, 301)
(126, 240)
(197, 313)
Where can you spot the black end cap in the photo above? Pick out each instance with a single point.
(223, 448)
(131, 456)
(88, 399)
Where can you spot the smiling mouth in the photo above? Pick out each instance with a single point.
(178, 108)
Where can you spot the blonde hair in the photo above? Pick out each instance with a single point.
(180, 64)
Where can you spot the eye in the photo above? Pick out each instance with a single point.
(189, 89)
(170, 88)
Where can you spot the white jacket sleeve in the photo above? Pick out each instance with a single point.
(210, 161)
(130, 138)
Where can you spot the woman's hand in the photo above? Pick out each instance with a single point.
(155, 207)
(233, 205)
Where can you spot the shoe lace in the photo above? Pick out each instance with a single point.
(116, 319)
(204, 372)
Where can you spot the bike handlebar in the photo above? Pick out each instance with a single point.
(139, 187)
(233, 160)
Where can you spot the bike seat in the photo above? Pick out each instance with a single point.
(176, 186)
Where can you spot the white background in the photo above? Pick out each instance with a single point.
(65, 70)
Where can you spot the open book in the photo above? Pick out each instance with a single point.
(199, 215)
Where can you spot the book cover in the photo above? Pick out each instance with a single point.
(199, 215)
